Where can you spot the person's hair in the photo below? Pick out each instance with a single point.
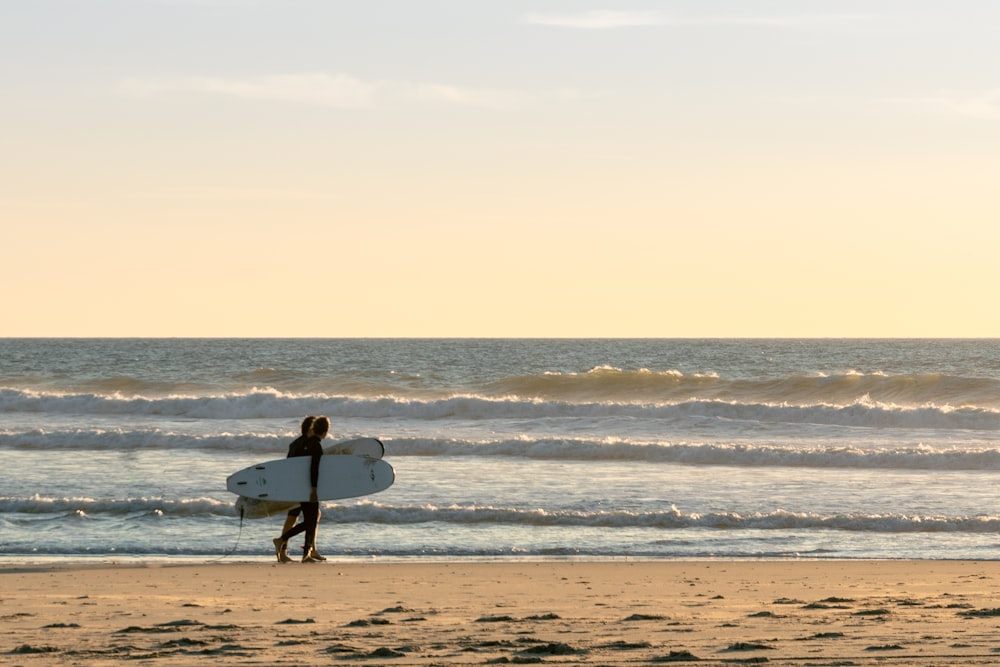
(307, 425)
(321, 426)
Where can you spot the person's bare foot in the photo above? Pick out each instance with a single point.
(281, 550)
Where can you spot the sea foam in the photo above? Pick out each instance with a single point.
(264, 404)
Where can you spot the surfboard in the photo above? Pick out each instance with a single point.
(340, 476)
(260, 508)
(370, 447)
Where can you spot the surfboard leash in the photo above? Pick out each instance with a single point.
(236, 546)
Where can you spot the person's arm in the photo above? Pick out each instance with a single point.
(314, 472)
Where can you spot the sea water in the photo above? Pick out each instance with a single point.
(603, 449)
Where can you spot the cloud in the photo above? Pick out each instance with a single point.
(610, 19)
(597, 20)
(210, 193)
(476, 97)
(336, 90)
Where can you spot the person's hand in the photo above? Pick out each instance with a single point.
(312, 496)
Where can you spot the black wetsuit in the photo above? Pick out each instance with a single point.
(307, 446)
(293, 446)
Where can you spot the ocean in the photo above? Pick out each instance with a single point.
(118, 449)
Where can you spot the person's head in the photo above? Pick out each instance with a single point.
(321, 426)
(307, 425)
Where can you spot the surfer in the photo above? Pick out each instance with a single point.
(308, 444)
(293, 513)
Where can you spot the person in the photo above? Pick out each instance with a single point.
(307, 445)
(293, 513)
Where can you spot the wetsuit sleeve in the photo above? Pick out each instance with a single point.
(293, 447)
(316, 452)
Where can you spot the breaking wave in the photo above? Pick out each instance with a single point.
(918, 457)
(672, 518)
(372, 512)
(614, 384)
(864, 411)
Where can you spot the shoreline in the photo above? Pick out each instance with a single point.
(18, 561)
(816, 612)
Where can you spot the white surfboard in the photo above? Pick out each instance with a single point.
(370, 447)
(340, 476)
(260, 508)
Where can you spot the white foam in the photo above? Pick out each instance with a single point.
(267, 445)
(379, 513)
(269, 404)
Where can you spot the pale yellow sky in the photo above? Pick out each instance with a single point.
(221, 168)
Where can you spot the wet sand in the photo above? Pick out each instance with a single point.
(823, 613)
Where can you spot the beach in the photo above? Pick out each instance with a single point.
(621, 612)
(593, 502)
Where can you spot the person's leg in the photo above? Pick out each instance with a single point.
(290, 519)
(281, 545)
(310, 517)
(289, 534)
(315, 552)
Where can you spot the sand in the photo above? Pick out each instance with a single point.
(577, 613)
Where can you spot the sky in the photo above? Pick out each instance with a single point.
(524, 168)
